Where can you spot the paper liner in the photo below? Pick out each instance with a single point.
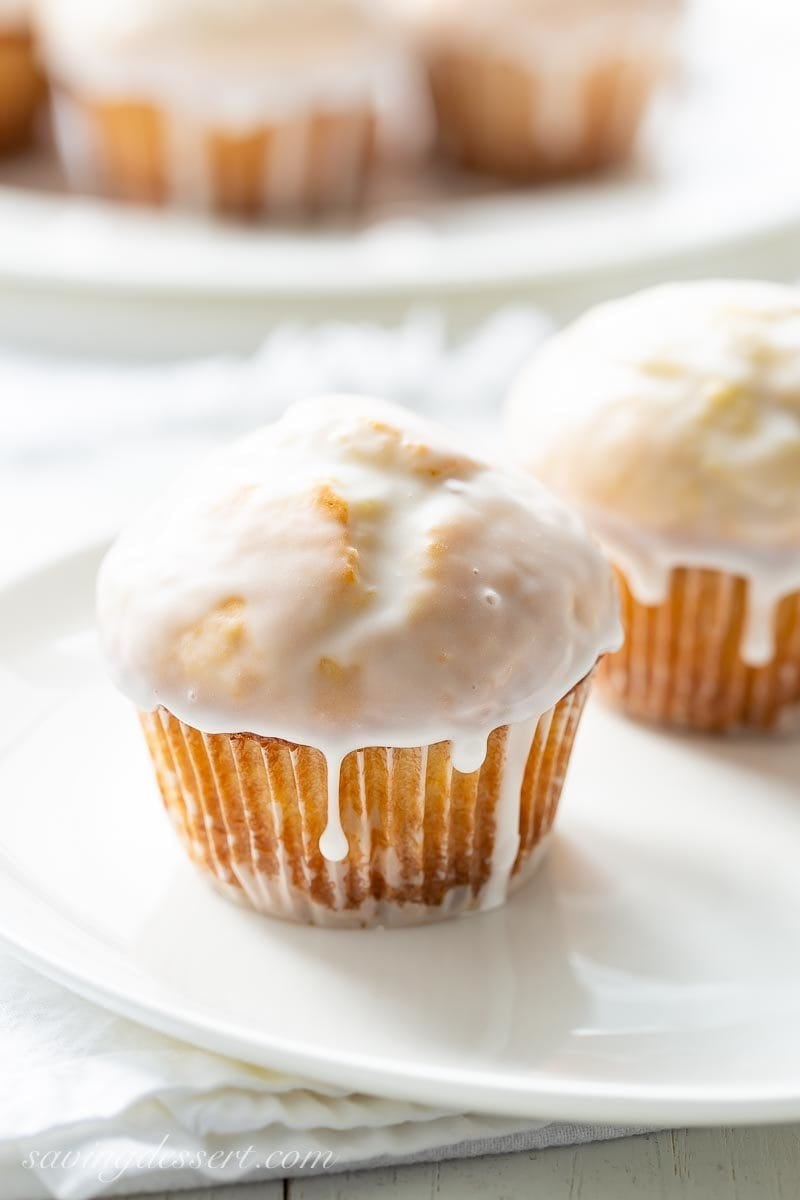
(21, 90)
(251, 810)
(309, 161)
(681, 665)
(503, 116)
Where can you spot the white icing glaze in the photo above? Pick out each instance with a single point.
(234, 62)
(212, 31)
(552, 35)
(469, 751)
(672, 420)
(77, 142)
(506, 833)
(349, 577)
(333, 843)
(648, 560)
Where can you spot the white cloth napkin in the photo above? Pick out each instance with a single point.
(93, 1104)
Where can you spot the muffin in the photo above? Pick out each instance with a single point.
(533, 89)
(240, 106)
(21, 83)
(360, 656)
(671, 419)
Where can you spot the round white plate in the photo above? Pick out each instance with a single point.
(649, 974)
(718, 168)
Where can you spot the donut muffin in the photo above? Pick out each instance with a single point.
(671, 419)
(21, 82)
(538, 88)
(360, 656)
(242, 106)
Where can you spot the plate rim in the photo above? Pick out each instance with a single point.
(457, 273)
(580, 1104)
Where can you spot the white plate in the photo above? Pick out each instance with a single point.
(650, 974)
(718, 169)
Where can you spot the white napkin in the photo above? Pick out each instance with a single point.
(93, 1104)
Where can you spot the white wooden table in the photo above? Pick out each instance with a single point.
(694, 1164)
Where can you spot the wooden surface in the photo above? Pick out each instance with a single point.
(714, 1164)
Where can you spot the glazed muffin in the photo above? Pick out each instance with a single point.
(241, 106)
(532, 89)
(21, 82)
(671, 419)
(360, 656)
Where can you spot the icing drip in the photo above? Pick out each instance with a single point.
(647, 561)
(80, 151)
(558, 111)
(237, 68)
(468, 752)
(333, 843)
(188, 168)
(507, 810)
(758, 637)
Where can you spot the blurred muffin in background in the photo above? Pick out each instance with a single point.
(532, 89)
(242, 106)
(671, 419)
(21, 83)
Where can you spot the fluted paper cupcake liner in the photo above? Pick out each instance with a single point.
(306, 162)
(681, 663)
(500, 115)
(423, 838)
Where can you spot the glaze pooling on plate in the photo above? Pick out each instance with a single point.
(672, 420)
(349, 577)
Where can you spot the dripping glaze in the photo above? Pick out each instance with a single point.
(648, 560)
(236, 64)
(467, 756)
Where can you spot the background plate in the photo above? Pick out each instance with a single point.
(650, 973)
(718, 167)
